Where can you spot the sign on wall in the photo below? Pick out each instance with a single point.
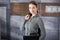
(52, 9)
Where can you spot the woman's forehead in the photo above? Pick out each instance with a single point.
(30, 5)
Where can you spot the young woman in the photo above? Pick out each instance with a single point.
(34, 27)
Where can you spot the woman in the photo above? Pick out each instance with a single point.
(34, 27)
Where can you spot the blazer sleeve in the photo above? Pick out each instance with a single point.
(42, 29)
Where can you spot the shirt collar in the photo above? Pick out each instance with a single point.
(36, 15)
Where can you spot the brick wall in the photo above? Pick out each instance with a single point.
(19, 8)
(22, 9)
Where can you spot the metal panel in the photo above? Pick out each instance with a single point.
(4, 18)
(3, 1)
(59, 27)
(3, 28)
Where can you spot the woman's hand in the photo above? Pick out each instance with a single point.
(27, 17)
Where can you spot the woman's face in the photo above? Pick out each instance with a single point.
(32, 8)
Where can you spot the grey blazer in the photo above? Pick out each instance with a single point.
(34, 27)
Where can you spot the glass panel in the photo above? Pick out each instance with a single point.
(3, 28)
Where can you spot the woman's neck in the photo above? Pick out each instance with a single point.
(34, 14)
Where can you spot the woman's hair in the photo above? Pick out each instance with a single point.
(29, 14)
(33, 2)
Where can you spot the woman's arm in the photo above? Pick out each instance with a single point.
(42, 29)
(23, 27)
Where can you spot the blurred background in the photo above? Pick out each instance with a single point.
(12, 13)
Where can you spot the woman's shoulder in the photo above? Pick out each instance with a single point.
(39, 18)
